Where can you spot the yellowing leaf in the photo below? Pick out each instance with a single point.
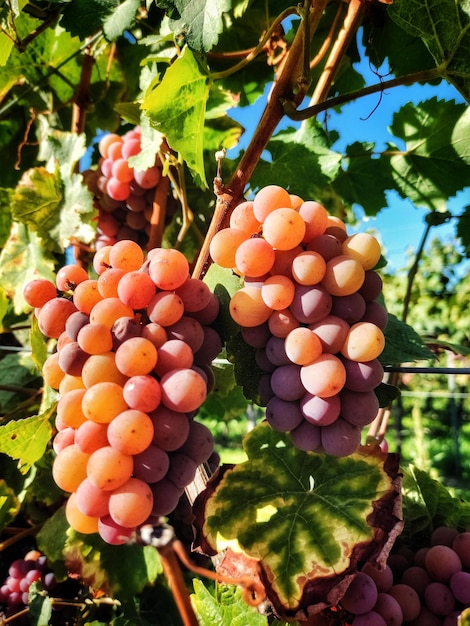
(26, 439)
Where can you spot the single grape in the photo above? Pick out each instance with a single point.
(361, 595)
(283, 415)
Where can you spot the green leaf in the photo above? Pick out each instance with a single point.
(84, 18)
(306, 517)
(403, 344)
(365, 178)
(120, 19)
(225, 607)
(444, 27)
(5, 215)
(176, 108)
(26, 439)
(121, 571)
(197, 23)
(302, 161)
(38, 342)
(432, 167)
(16, 370)
(23, 258)
(9, 504)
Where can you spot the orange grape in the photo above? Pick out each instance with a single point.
(108, 310)
(247, 307)
(325, 377)
(103, 401)
(302, 346)
(280, 323)
(224, 245)
(51, 371)
(136, 356)
(268, 199)
(86, 295)
(315, 217)
(168, 268)
(131, 504)
(308, 268)
(278, 292)
(130, 432)
(284, 229)
(364, 247)
(136, 289)
(70, 468)
(80, 522)
(69, 382)
(95, 339)
(165, 308)
(344, 275)
(243, 218)
(108, 281)
(108, 468)
(126, 255)
(69, 276)
(254, 257)
(69, 408)
(364, 342)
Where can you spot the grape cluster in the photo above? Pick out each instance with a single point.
(427, 587)
(309, 308)
(124, 195)
(22, 573)
(132, 367)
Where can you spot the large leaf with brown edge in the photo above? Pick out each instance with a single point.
(306, 521)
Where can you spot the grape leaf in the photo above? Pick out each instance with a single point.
(9, 504)
(403, 344)
(120, 19)
(26, 439)
(365, 178)
(432, 166)
(122, 570)
(23, 258)
(275, 506)
(226, 607)
(197, 23)
(444, 27)
(176, 108)
(84, 18)
(16, 370)
(302, 161)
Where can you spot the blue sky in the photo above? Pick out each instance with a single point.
(352, 126)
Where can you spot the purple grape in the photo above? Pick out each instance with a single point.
(286, 383)
(72, 358)
(327, 245)
(375, 313)
(263, 362)
(165, 496)
(199, 444)
(361, 595)
(306, 437)
(211, 347)
(256, 336)
(358, 407)
(388, 608)
(282, 415)
(265, 392)
(460, 586)
(171, 428)
(189, 330)
(439, 599)
(151, 465)
(371, 618)
(340, 438)
(349, 308)
(182, 470)
(125, 328)
(320, 411)
(276, 352)
(74, 323)
(371, 288)
(362, 376)
(311, 304)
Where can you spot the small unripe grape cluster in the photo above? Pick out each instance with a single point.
(22, 573)
(132, 367)
(426, 587)
(309, 307)
(123, 195)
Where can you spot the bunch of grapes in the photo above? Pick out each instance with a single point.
(22, 573)
(124, 195)
(309, 308)
(426, 587)
(132, 367)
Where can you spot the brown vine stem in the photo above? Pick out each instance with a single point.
(18, 536)
(157, 220)
(82, 97)
(177, 584)
(351, 22)
(311, 111)
(283, 88)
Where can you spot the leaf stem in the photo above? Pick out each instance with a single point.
(311, 111)
(258, 49)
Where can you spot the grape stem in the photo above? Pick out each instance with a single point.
(174, 576)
